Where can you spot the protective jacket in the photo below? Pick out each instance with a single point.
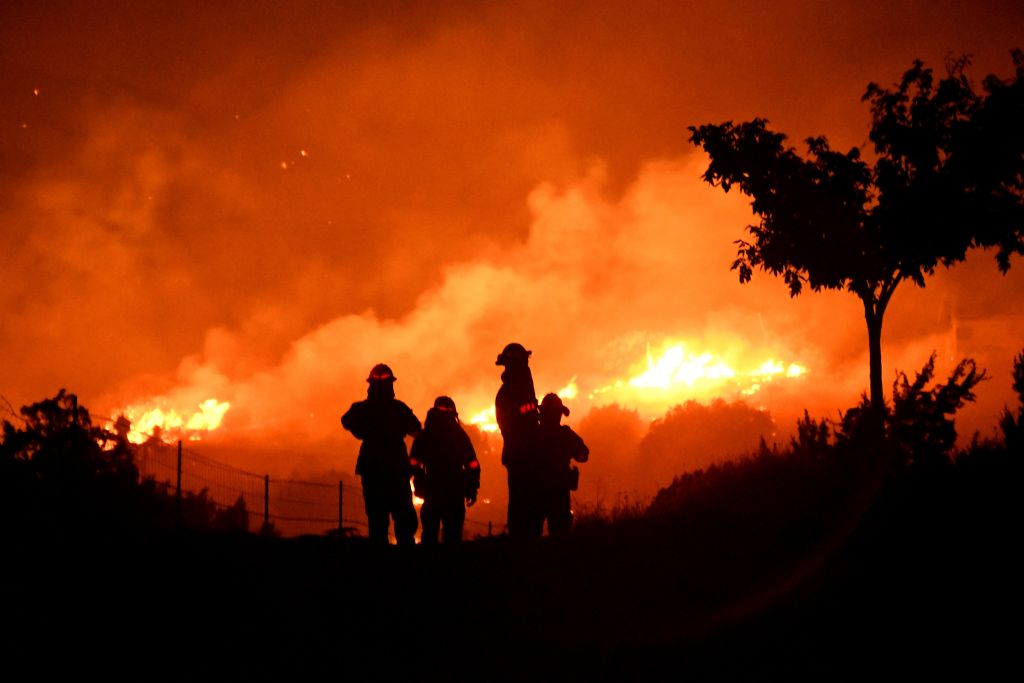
(382, 425)
(443, 460)
(382, 422)
(447, 473)
(515, 408)
(558, 446)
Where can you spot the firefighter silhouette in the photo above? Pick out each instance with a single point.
(382, 422)
(446, 473)
(557, 446)
(515, 408)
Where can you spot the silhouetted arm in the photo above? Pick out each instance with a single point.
(574, 445)
(501, 415)
(419, 457)
(355, 421)
(470, 467)
(410, 423)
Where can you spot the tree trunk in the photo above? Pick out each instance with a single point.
(874, 320)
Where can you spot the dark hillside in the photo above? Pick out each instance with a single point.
(830, 558)
(924, 582)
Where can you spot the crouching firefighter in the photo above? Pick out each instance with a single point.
(558, 446)
(446, 473)
(382, 422)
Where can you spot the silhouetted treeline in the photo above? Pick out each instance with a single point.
(60, 473)
(919, 437)
(783, 510)
(845, 552)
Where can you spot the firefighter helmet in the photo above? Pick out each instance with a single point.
(445, 405)
(551, 402)
(512, 353)
(381, 373)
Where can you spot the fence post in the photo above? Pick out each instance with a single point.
(177, 490)
(266, 504)
(341, 508)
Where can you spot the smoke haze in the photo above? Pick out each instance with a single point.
(258, 203)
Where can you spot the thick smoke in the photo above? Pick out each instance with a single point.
(256, 206)
(594, 282)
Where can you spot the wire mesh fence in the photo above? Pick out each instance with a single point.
(287, 507)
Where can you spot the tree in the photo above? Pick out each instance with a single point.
(947, 176)
(922, 419)
(59, 469)
(1013, 425)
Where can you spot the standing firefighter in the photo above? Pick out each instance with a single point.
(559, 445)
(446, 473)
(515, 408)
(382, 422)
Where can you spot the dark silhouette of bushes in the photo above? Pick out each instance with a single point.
(836, 554)
(780, 512)
(60, 473)
(825, 459)
(1013, 425)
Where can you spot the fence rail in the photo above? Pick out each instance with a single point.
(289, 507)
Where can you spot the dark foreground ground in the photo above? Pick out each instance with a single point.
(915, 581)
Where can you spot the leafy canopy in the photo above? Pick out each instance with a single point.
(946, 177)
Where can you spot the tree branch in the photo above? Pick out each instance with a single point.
(10, 409)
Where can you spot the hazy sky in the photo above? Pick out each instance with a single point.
(255, 202)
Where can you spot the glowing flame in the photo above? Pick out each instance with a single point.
(170, 422)
(485, 420)
(211, 412)
(569, 391)
(677, 373)
(676, 367)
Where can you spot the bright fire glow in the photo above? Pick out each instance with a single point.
(211, 412)
(569, 391)
(172, 423)
(677, 373)
(485, 420)
(673, 373)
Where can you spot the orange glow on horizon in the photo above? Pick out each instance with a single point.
(670, 375)
(677, 374)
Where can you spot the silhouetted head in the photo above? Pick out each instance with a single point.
(513, 355)
(552, 409)
(381, 373)
(442, 416)
(382, 382)
(446, 405)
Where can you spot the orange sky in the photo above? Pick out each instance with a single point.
(256, 202)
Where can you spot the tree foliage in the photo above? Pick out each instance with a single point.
(60, 472)
(60, 469)
(947, 175)
(1013, 424)
(922, 418)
